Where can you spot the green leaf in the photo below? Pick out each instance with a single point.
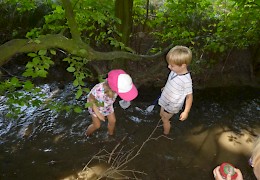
(37, 41)
(82, 51)
(53, 52)
(77, 110)
(29, 65)
(59, 9)
(66, 108)
(71, 69)
(28, 72)
(42, 52)
(75, 83)
(46, 66)
(9, 115)
(42, 73)
(86, 90)
(222, 48)
(32, 54)
(68, 59)
(81, 83)
(88, 104)
(129, 49)
(28, 85)
(36, 102)
(14, 81)
(99, 104)
(79, 93)
(36, 60)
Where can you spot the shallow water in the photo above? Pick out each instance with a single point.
(221, 127)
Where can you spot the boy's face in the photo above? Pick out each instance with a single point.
(176, 68)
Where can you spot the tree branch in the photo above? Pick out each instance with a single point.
(72, 46)
(118, 159)
(75, 33)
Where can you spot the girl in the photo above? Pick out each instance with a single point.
(103, 95)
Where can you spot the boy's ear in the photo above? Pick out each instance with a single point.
(184, 65)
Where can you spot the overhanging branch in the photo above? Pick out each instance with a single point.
(71, 46)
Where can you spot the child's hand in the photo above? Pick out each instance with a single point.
(98, 114)
(162, 89)
(239, 174)
(183, 116)
(218, 176)
(101, 117)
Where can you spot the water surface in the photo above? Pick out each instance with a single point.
(221, 127)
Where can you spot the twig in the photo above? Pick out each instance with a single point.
(111, 154)
(117, 159)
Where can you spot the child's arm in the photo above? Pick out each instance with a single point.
(188, 104)
(92, 99)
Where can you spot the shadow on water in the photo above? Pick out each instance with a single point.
(221, 127)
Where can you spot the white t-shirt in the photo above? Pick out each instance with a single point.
(177, 87)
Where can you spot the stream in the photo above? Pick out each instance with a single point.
(49, 145)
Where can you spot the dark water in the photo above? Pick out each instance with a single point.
(221, 127)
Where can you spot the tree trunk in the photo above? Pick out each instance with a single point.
(124, 11)
(75, 33)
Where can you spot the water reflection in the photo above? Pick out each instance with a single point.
(223, 122)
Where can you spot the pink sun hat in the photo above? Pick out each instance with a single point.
(120, 82)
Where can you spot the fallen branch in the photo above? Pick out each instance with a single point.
(118, 159)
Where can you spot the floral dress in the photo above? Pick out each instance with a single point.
(105, 103)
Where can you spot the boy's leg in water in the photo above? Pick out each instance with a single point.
(166, 121)
(94, 126)
(111, 123)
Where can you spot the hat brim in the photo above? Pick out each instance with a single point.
(130, 95)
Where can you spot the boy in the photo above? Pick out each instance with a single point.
(178, 87)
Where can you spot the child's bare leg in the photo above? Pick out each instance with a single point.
(111, 123)
(166, 121)
(94, 126)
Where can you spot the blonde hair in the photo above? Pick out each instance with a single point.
(108, 90)
(256, 158)
(179, 55)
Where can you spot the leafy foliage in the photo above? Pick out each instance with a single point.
(206, 26)
(18, 99)
(80, 72)
(18, 17)
(55, 22)
(39, 65)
